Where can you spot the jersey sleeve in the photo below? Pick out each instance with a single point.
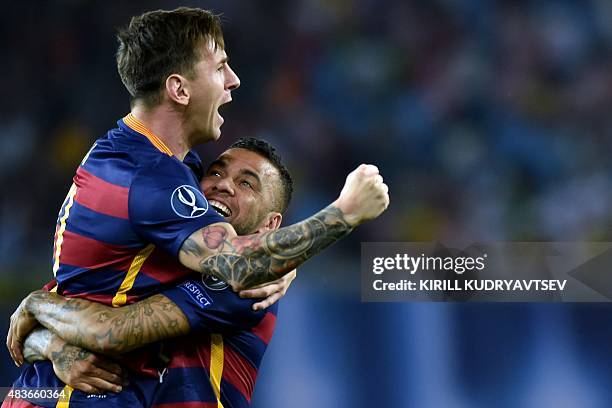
(213, 310)
(166, 204)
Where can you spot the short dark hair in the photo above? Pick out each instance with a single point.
(159, 43)
(267, 151)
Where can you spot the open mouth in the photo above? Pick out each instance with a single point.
(223, 105)
(219, 114)
(220, 208)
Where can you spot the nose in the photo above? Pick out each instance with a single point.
(232, 81)
(225, 185)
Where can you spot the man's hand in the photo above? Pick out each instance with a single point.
(22, 323)
(271, 291)
(83, 370)
(364, 195)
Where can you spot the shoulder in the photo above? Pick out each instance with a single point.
(193, 161)
(165, 170)
(119, 142)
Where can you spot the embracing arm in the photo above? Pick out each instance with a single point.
(109, 330)
(104, 329)
(76, 367)
(245, 261)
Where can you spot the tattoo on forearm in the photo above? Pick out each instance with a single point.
(107, 330)
(64, 359)
(36, 348)
(250, 260)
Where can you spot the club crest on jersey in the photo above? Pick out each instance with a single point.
(214, 283)
(188, 202)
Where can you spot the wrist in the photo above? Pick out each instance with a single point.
(54, 345)
(29, 303)
(347, 212)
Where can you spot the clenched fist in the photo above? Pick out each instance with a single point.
(364, 195)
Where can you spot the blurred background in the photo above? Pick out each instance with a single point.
(490, 120)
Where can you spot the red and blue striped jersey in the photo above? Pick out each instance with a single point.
(119, 231)
(130, 208)
(126, 216)
(217, 365)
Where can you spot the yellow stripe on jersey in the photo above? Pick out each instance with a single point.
(59, 239)
(216, 365)
(64, 401)
(139, 127)
(120, 297)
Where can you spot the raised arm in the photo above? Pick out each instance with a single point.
(246, 261)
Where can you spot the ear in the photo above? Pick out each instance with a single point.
(177, 89)
(271, 222)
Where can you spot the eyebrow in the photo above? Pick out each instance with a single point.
(218, 162)
(251, 173)
(223, 164)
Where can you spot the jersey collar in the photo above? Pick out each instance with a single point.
(139, 127)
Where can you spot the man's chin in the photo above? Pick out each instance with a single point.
(216, 133)
(211, 136)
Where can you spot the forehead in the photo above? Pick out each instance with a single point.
(239, 160)
(211, 51)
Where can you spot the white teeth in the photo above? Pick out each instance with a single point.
(221, 209)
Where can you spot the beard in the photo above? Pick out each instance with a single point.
(245, 227)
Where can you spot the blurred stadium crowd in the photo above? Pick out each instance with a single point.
(488, 119)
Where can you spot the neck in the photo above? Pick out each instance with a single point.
(168, 125)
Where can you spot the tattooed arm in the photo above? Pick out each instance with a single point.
(245, 261)
(76, 367)
(37, 345)
(99, 328)
(107, 330)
